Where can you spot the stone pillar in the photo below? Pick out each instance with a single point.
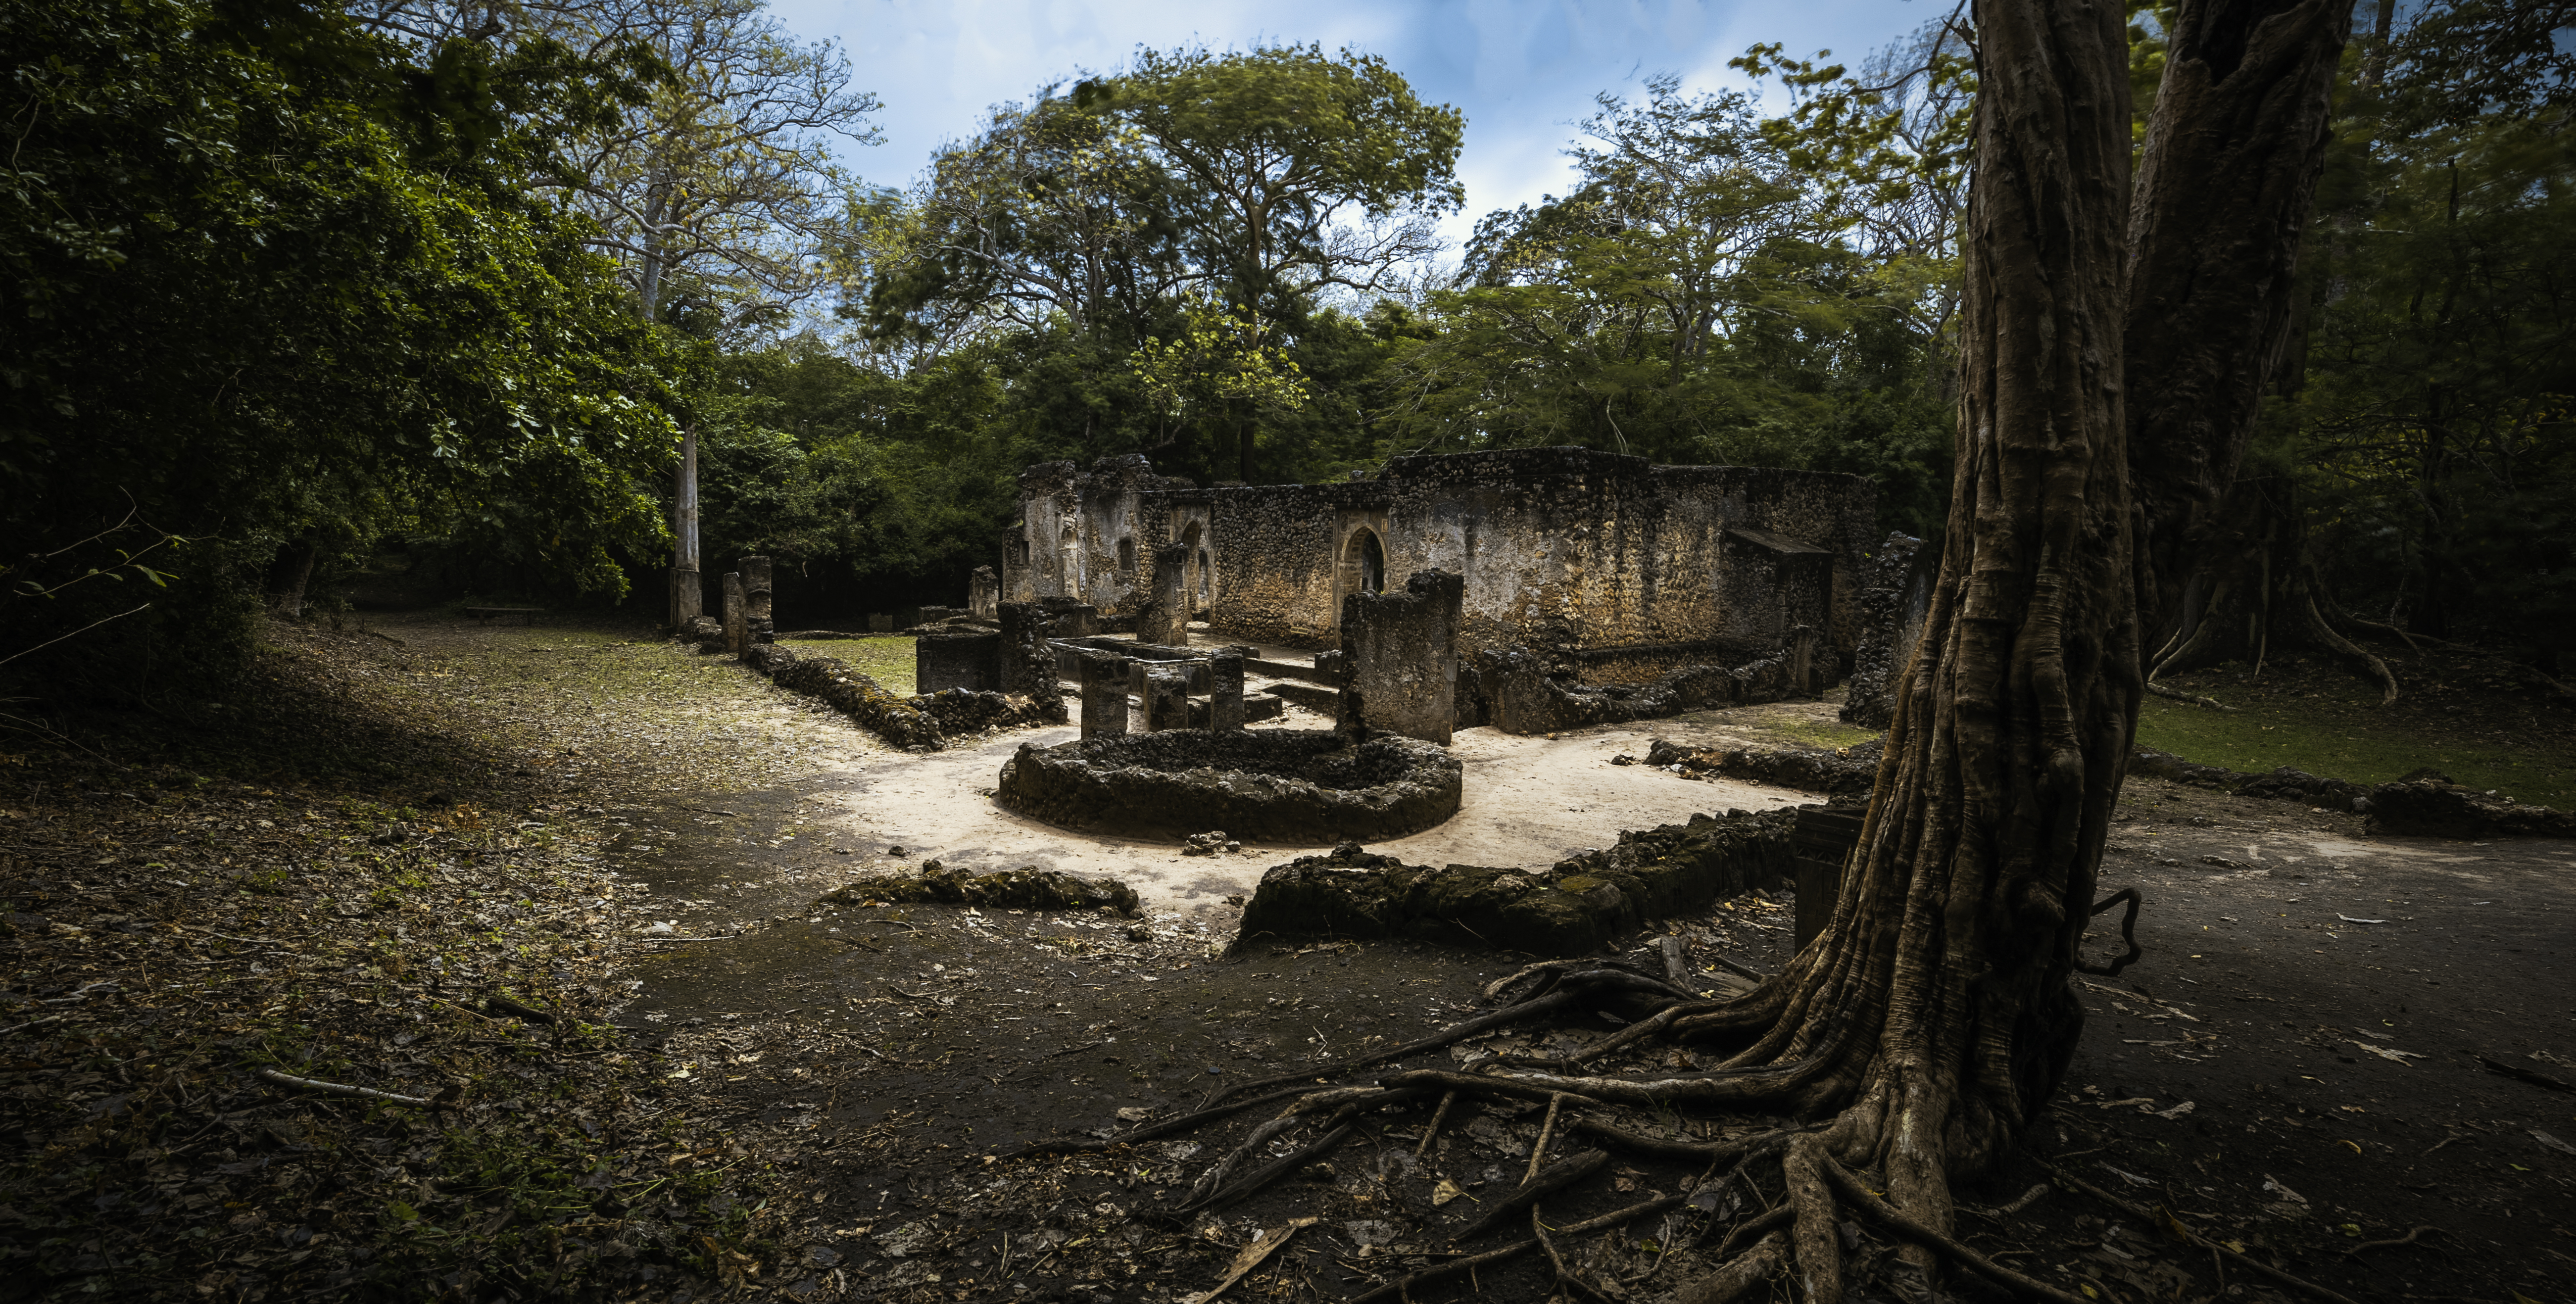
(1804, 677)
(688, 587)
(1165, 617)
(1162, 695)
(1400, 657)
(983, 593)
(1104, 694)
(733, 614)
(1225, 691)
(756, 597)
(1028, 661)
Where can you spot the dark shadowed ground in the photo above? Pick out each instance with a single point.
(2293, 1070)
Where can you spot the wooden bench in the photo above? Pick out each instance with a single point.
(489, 614)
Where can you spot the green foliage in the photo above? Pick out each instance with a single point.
(2433, 437)
(1697, 299)
(257, 274)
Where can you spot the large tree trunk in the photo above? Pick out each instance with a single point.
(1934, 1019)
(2254, 595)
(2225, 187)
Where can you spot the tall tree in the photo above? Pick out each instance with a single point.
(1934, 1018)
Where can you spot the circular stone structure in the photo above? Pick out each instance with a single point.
(1266, 785)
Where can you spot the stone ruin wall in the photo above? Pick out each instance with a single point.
(1560, 547)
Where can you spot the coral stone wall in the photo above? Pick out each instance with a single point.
(1558, 546)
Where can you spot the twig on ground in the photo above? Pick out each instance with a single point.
(2175, 1225)
(2521, 1074)
(2180, 696)
(341, 1089)
(1251, 1256)
(2409, 1238)
(1565, 1276)
(1423, 1147)
(1546, 1134)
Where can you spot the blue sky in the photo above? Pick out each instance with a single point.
(1521, 70)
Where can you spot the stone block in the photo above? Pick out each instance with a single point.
(1162, 692)
(735, 641)
(983, 593)
(1103, 676)
(1074, 618)
(881, 623)
(759, 620)
(969, 661)
(1400, 653)
(1225, 690)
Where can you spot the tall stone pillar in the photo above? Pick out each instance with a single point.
(756, 597)
(736, 638)
(1225, 691)
(688, 587)
(983, 593)
(1104, 694)
(1165, 617)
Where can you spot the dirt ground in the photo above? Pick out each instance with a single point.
(2293, 1070)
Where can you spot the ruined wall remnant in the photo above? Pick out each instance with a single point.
(736, 633)
(1400, 657)
(1027, 661)
(983, 593)
(969, 661)
(1163, 606)
(1103, 676)
(758, 626)
(1557, 547)
(1895, 599)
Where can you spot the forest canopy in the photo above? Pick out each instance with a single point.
(291, 286)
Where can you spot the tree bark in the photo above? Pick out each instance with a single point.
(2255, 596)
(2225, 187)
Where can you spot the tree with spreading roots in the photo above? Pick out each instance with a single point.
(2101, 419)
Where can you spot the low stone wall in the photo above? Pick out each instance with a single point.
(1273, 785)
(1028, 888)
(2283, 784)
(1511, 690)
(1849, 772)
(1572, 908)
(915, 724)
(2433, 806)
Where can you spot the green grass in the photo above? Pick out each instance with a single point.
(887, 660)
(2341, 732)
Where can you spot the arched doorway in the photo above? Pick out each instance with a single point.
(1366, 558)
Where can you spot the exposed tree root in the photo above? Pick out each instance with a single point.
(1565, 1276)
(1400, 1287)
(1887, 1215)
(1532, 1191)
(2195, 699)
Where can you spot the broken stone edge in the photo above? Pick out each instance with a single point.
(1132, 784)
(916, 724)
(1577, 906)
(1027, 888)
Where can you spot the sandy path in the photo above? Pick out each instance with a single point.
(1529, 801)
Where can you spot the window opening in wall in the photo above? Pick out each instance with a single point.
(1372, 563)
(1127, 554)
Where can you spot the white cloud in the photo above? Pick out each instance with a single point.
(1523, 71)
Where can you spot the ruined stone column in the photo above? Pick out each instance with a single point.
(1162, 695)
(1400, 657)
(1803, 679)
(733, 613)
(688, 588)
(1225, 691)
(1104, 694)
(1028, 661)
(983, 593)
(756, 602)
(1165, 618)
